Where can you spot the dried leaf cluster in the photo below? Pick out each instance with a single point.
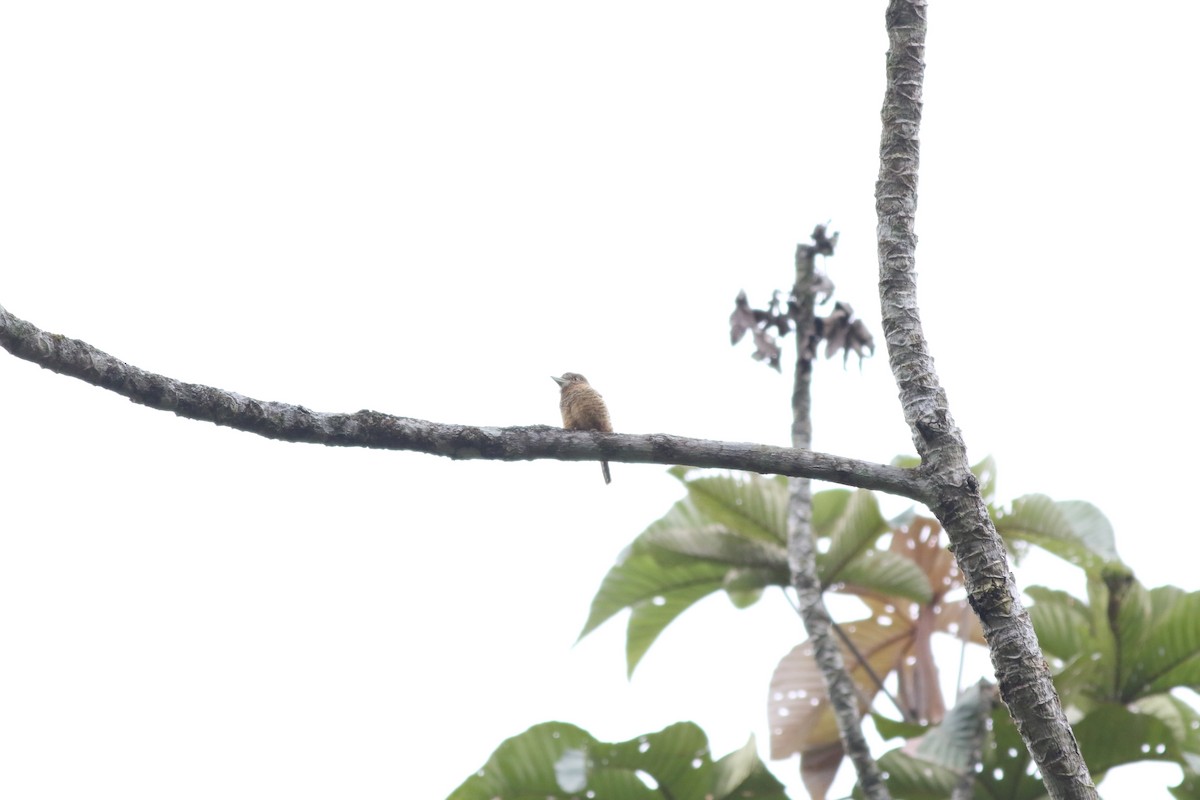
(841, 331)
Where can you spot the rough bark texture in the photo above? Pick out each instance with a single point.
(294, 423)
(802, 552)
(1023, 676)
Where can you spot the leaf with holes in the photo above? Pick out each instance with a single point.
(743, 775)
(556, 759)
(800, 717)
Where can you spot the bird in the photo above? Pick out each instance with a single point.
(583, 409)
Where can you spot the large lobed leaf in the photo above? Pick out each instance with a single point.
(895, 639)
(1061, 621)
(1126, 643)
(799, 711)
(1168, 654)
(654, 593)
(929, 766)
(728, 534)
(851, 531)
(752, 506)
(556, 759)
(742, 774)
(1072, 529)
(1109, 735)
(715, 543)
(884, 574)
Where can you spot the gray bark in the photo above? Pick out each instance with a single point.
(373, 429)
(1021, 671)
(802, 553)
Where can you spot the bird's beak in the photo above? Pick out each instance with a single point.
(559, 381)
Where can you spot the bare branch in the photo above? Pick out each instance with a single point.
(373, 429)
(802, 549)
(1023, 676)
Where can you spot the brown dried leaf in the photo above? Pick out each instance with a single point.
(957, 619)
(822, 241)
(822, 288)
(799, 712)
(897, 637)
(818, 768)
(742, 318)
(859, 339)
(774, 317)
(843, 333)
(917, 675)
(836, 327)
(765, 349)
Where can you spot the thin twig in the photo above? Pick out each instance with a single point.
(802, 551)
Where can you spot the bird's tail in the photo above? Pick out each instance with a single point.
(607, 476)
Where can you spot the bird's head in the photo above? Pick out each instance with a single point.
(569, 378)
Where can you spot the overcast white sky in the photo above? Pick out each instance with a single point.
(428, 209)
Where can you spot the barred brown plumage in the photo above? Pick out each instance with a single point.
(583, 409)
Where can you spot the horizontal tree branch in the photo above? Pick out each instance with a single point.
(373, 429)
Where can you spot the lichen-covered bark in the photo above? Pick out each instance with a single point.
(802, 552)
(1022, 674)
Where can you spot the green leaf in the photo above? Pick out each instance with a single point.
(1062, 622)
(1092, 528)
(951, 742)
(537, 761)
(1129, 627)
(753, 507)
(745, 586)
(718, 537)
(985, 473)
(851, 531)
(942, 751)
(715, 543)
(556, 759)
(827, 507)
(891, 728)
(915, 778)
(1181, 720)
(677, 757)
(1169, 652)
(1111, 735)
(680, 521)
(1007, 767)
(1127, 643)
(886, 573)
(1073, 530)
(639, 580)
(742, 775)
(1188, 788)
(680, 472)
(649, 618)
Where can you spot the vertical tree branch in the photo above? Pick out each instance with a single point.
(802, 552)
(1024, 678)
